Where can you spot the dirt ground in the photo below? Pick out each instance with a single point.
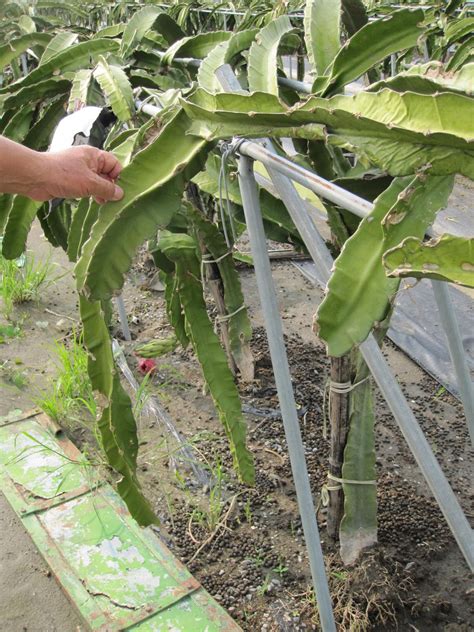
(255, 564)
(30, 598)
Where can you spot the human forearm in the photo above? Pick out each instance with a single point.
(21, 168)
(72, 173)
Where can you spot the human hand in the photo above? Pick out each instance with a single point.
(77, 172)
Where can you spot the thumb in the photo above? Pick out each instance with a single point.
(105, 189)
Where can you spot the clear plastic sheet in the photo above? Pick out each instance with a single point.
(152, 408)
(416, 329)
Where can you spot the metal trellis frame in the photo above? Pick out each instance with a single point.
(371, 352)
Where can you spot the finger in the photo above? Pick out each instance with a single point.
(109, 165)
(105, 189)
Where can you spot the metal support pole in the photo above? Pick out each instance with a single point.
(457, 352)
(291, 199)
(147, 108)
(276, 343)
(295, 84)
(393, 65)
(24, 64)
(123, 317)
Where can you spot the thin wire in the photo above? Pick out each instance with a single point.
(222, 319)
(227, 152)
(206, 259)
(345, 387)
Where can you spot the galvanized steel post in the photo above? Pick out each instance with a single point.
(122, 312)
(249, 192)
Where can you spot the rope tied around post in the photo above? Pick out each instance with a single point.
(326, 488)
(341, 388)
(345, 387)
(206, 258)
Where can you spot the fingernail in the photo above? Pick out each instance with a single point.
(118, 193)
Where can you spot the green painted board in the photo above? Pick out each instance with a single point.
(119, 576)
(32, 458)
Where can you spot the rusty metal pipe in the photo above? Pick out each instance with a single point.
(307, 178)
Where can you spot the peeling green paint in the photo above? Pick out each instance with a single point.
(32, 458)
(118, 575)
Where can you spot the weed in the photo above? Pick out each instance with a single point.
(292, 528)
(169, 378)
(199, 517)
(209, 515)
(14, 376)
(441, 391)
(258, 559)
(9, 331)
(202, 436)
(248, 616)
(142, 395)
(181, 481)
(72, 391)
(265, 587)
(248, 511)
(173, 375)
(90, 405)
(216, 500)
(340, 575)
(281, 569)
(170, 506)
(21, 281)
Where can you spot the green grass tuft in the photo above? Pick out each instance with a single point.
(21, 280)
(71, 393)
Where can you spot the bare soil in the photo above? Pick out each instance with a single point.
(255, 563)
(30, 598)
